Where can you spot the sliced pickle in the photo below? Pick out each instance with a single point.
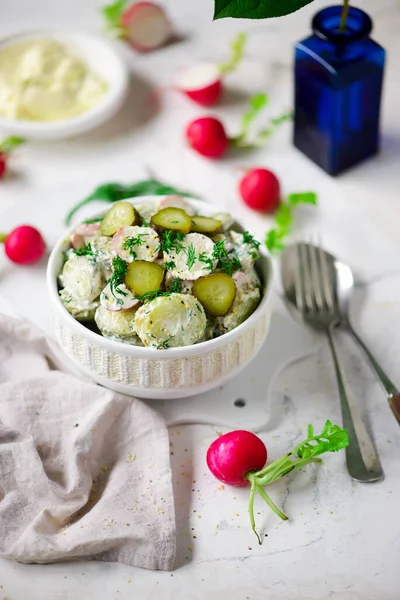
(216, 292)
(143, 277)
(121, 214)
(205, 225)
(171, 218)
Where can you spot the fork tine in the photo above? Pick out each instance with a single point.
(297, 281)
(325, 280)
(305, 276)
(315, 274)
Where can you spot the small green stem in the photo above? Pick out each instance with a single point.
(271, 504)
(344, 15)
(268, 478)
(251, 510)
(3, 237)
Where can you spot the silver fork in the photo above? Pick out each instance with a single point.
(316, 301)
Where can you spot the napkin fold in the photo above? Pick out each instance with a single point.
(84, 471)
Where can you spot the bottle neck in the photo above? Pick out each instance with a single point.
(328, 23)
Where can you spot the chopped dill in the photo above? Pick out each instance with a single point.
(84, 251)
(149, 296)
(171, 240)
(191, 256)
(132, 242)
(118, 277)
(250, 239)
(164, 345)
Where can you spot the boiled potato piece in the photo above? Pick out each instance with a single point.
(171, 321)
(116, 323)
(83, 277)
(82, 310)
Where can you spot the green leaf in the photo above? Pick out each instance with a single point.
(331, 439)
(114, 192)
(256, 105)
(10, 143)
(238, 46)
(256, 9)
(284, 216)
(302, 198)
(274, 240)
(112, 14)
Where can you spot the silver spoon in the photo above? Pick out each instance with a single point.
(309, 281)
(344, 283)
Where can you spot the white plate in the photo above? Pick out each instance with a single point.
(102, 58)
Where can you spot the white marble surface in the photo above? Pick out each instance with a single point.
(343, 539)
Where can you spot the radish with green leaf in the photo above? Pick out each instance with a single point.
(144, 25)
(7, 146)
(238, 458)
(208, 137)
(203, 83)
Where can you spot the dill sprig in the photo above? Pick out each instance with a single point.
(228, 262)
(253, 243)
(131, 242)
(120, 267)
(171, 240)
(164, 345)
(250, 239)
(149, 296)
(84, 251)
(191, 256)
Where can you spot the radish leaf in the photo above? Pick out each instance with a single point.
(112, 15)
(331, 439)
(302, 198)
(238, 46)
(275, 237)
(10, 143)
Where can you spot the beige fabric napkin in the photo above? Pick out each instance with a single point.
(84, 471)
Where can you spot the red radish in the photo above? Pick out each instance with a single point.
(144, 24)
(3, 164)
(260, 190)
(238, 458)
(207, 136)
(7, 146)
(233, 455)
(24, 245)
(202, 83)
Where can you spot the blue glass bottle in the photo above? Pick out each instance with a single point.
(338, 85)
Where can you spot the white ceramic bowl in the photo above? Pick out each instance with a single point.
(102, 58)
(152, 373)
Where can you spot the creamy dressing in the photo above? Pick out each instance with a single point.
(44, 80)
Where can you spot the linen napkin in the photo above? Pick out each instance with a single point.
(84, 471)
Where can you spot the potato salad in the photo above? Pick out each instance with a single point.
(160, 275)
